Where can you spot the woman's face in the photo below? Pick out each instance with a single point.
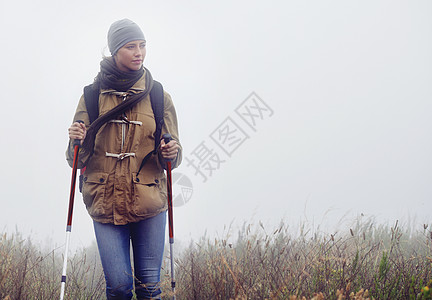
(130, 57)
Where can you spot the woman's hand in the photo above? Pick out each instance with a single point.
(77, 131)
(169, 151)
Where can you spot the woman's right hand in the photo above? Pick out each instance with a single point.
(77, 131)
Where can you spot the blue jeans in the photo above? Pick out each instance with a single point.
(148, 239)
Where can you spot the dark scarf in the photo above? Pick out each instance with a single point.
(111, 77)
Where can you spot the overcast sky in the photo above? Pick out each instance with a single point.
(306, 111)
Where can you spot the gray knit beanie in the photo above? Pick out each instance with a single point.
(122, 32)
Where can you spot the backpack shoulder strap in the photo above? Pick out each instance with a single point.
(157, 103)
(91, 98)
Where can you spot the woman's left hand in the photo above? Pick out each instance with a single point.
(169, 151)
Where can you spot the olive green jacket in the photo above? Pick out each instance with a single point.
(112, 192)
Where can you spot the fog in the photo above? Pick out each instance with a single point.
(310, 112)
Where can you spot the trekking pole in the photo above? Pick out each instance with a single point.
(167, 138)
(76, 144)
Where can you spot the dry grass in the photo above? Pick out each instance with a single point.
(379, 262)
(26, 272)
(368, 262)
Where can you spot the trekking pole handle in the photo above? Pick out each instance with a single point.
(167, 138)
(77, 142)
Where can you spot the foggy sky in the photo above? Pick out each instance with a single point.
(346, 84)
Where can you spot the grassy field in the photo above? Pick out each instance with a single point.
(366, 261)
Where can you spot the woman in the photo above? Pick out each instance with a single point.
(124, 205)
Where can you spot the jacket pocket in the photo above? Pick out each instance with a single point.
(94, 190)
(147, 196)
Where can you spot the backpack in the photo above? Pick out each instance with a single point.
(91, 98)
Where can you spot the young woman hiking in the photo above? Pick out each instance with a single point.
(127, 203)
